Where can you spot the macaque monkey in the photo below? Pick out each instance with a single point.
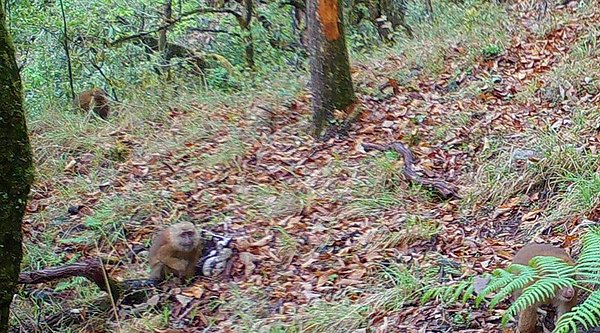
(565, 299)
(95, 99)
(175, 250)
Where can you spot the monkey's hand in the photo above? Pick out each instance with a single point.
(177, 264)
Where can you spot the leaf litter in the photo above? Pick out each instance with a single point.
(302, 234)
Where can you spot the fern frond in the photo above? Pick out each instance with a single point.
(586, 314)
(429, 294)
(459, 291)
(501, 278)
(540, 291)
(468, 293)
(526, 277)
(588, 264)
(552, 266)
(450, 292)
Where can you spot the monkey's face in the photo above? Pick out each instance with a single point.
(565, 294)
(187, 239)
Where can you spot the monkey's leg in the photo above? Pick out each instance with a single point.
(528, 320)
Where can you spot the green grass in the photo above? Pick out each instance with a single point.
(247, 309)
(335, 317)
(578, 73)
(461, 33)
(566, 168)
(289, 244)
(396, 285)
(479, 28)
(391, 287)
(380, 186)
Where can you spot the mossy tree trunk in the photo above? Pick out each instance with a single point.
(330, 80)
(16, 170)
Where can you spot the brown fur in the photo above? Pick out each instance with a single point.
(175, 250)
(96, 99)
(565, 298)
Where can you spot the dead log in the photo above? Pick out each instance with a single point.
(441, 187)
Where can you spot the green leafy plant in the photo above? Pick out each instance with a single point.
(539, 280)
(491, 51)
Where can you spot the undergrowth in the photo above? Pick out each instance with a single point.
(159, 119)
(552, 161)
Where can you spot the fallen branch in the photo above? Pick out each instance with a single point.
(443, 188)
(91, 269)
(130, 291)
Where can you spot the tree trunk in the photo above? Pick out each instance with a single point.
(331, 83)
(16, 170)
(162, 39)
(429, 8)
(246, 24)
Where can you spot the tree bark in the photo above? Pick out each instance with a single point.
(162, 39)
(331, 83)
(16, 170)
(245, 22)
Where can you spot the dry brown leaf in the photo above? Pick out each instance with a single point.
(531, 215)
(195, 291)
(263, 241)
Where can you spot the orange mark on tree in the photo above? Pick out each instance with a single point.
(328, 15)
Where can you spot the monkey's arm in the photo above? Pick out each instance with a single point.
(166, 255)
(176, 264)
(158, 271)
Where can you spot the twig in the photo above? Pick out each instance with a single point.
(445, 189)
(175, 21)
(99, 69)
(217, 31)
(66, 45)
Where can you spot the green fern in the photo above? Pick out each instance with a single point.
(543, 289)
(588, 265)
(450, 292)
(551, 274)
(553, 267)
(539, 281)
(500, 279)
(526, 276)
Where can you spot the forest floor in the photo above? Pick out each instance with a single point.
(335, 238)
